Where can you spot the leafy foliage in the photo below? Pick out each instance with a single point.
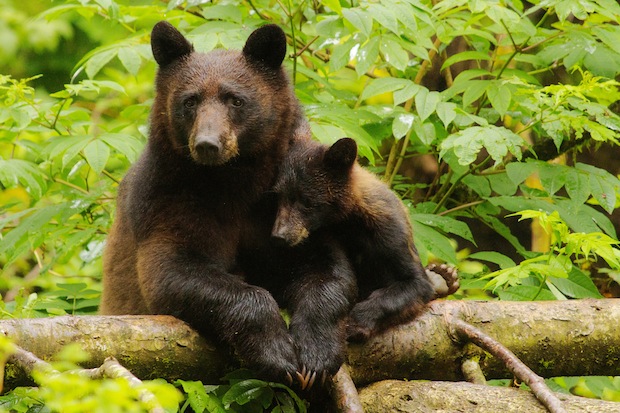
(553, 274)
(243, 394)
(466, 84)
(482, 94)
(65, 390)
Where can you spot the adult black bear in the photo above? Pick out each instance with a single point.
(195, 212)
(323, 190)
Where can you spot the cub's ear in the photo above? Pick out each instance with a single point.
(168, 44)
(266, 46)
(342, 154)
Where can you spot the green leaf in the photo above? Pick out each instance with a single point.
(468, 143)
(401, 124)
(245, 391)
(525, 293)
(446, 224)
(501, 184)
(426, 102)
(130, 59)
(385, 16)
(199, 399)
(333, 4)
(429, 240)
(479, 184)
(32, 224)
(98, 61)
(393, 53)
(125, 144)
(468, 55)
(446, 112)
(474, 90)
(425, 132)
(17, 171)
(360, 19)
(367, 55)
(577, 185)
(341, 54)
(577, 285)
(603, 185)
(552, 176)
(519, 172)
(385, 85)
(97, 154)
(406, 93)
(500, 97)
(494, 257)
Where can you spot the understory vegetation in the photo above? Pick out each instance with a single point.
(497, 122)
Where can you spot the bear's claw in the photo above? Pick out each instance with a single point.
(444, 278)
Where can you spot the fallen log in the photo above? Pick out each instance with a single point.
(554, 338)
(441, 396)
(148, 346)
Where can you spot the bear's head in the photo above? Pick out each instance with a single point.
(314, 188)
(219, 106)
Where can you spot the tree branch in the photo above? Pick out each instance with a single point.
(344, 392)
(516, 366)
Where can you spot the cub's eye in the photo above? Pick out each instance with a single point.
(190, 102)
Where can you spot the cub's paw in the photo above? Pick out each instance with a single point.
(357, 332)
(444, 279)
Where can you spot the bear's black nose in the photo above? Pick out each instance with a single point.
(207, 149)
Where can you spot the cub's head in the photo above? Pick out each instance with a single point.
(314, 188)
(221, 105)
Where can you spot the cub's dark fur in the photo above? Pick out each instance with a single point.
(323, 190)
(195, 212)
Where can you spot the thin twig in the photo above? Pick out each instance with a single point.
(512, 362)
(28, 362)
(111, 368)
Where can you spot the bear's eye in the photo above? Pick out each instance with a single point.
(190, 102)
(236, 102)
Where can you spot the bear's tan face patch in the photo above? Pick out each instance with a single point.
(289, 225)
(212, 140)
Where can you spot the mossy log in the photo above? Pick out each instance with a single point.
(441, 396)
(554, 338)
(148, 346)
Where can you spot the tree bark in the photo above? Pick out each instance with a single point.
(554, 338)
(441, 396)
(148, 346)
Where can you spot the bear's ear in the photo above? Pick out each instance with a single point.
(168, 44)
(266, 46)
(342, 154)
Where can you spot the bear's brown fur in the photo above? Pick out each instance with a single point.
(323, 191)
(196, 209)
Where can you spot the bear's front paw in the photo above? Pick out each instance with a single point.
(275, 359)
(320, 357)
(444, 279)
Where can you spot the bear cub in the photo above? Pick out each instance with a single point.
(323, 189)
